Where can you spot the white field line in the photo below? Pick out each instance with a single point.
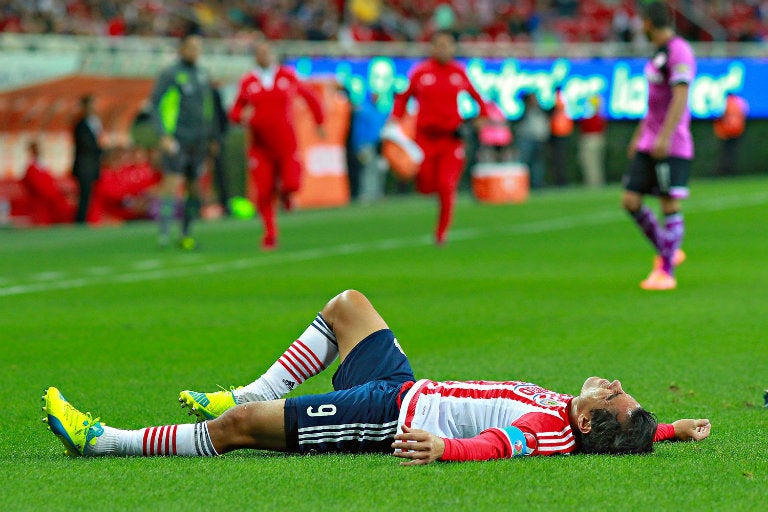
(144, 271)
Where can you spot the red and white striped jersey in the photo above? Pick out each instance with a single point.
(459, 410)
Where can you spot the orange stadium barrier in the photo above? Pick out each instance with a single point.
(324, 181)
(46, 111)
(506, 182)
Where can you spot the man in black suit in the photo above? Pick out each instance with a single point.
(88, 151)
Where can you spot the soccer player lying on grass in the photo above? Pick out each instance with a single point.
(376, 396)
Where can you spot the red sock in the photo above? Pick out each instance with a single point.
(447, 199)
(267, 212)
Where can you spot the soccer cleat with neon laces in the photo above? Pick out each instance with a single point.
(208, 406)
(659, 280)
(75, 429)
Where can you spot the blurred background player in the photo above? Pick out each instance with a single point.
(183, 115)
(592, 142)
(49, 203)
(436, 83)
(661, 148)
(367, 121)
(729, 128)
(561, 127)
(532, 132)
(88, 152)
(264, 103)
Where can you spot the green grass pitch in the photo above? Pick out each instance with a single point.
(545, 291)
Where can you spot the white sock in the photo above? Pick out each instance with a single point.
(312, 353)
(185, 439)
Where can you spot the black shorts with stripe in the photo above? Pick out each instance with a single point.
(667, 177)
(360, 415)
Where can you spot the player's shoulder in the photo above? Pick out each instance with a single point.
(425, 66)
(249, 76)
(288, 71)
(679, 45)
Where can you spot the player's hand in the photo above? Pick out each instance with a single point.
(169, 145)
(660, 149)
(632, 149)
(419, 446)
(692, 430)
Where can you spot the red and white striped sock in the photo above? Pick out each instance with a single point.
(186, 439)
(309, 355)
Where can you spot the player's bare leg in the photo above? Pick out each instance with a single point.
(352, 318)
(344, 321)
(256, 425)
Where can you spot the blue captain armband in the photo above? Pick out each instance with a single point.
(517, 441)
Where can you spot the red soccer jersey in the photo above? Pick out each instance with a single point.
(456, 410)
(269, 95)
(436, 87)
(471, 416)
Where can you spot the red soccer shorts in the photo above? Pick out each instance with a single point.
(274, 173)
(442, 166)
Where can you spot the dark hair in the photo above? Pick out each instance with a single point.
(192, 29)
(609, 436)
(659, 14)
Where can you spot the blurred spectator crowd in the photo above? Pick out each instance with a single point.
(383, 20)
(124, 191)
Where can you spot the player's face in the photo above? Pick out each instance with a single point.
(191, 48)
(647, 28)
(600, 393)
(263, 54)
(443, 48)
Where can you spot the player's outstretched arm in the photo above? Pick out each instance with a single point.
(419, 446)
(692, 429)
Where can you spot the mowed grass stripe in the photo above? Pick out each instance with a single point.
(155, 269)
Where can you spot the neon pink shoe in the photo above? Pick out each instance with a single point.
(677, 260)
(659, 280)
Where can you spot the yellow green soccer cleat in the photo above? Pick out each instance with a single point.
(207, 406)
(75, 429)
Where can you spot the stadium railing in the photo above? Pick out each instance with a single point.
(142, 56)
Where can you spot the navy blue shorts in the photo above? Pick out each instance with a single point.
(668, 177)
(360, 415)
